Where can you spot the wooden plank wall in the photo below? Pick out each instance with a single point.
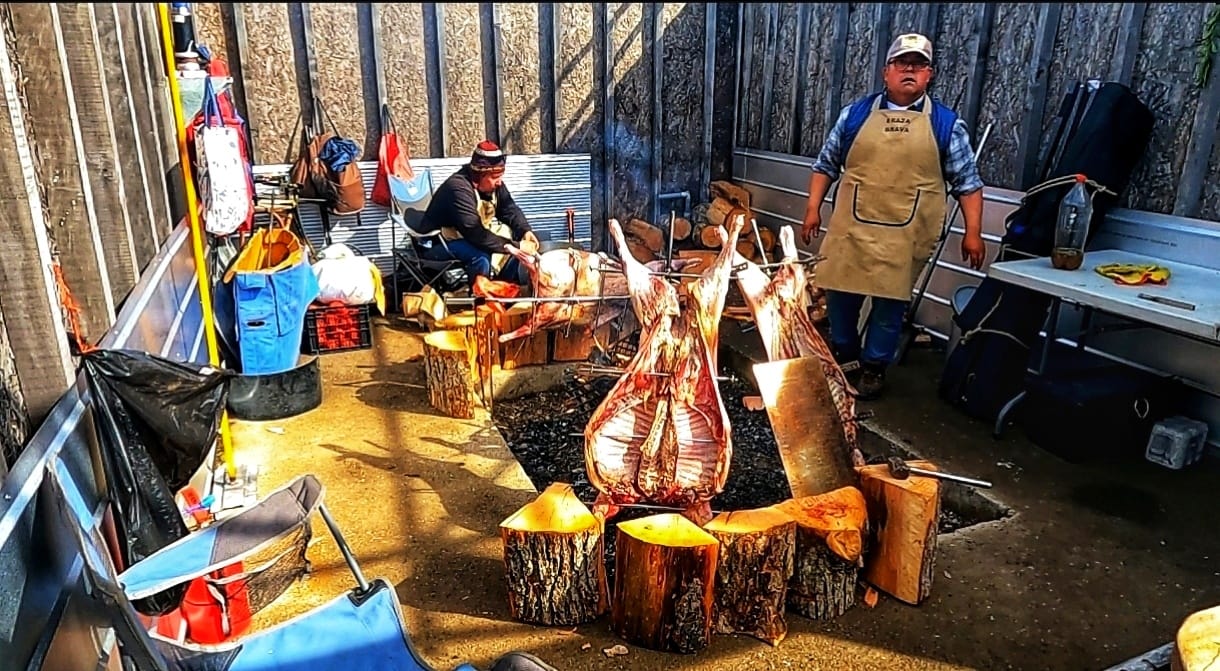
(646, 88)
(84, 154)
(1006, 64)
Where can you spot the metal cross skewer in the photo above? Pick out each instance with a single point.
(593, 369)
(688, 440)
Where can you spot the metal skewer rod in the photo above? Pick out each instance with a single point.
(688, 440)
(592, 369)
(479, 300)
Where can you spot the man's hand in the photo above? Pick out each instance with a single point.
(812, 227)
(973, 250)
(529, 243)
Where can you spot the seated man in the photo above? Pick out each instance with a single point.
(477, 217)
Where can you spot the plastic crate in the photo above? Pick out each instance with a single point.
(336, 328)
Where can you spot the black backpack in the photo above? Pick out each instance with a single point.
(1101, 132)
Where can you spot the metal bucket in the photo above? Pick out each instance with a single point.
(961, 297)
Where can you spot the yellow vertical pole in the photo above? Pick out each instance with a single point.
(192, 214)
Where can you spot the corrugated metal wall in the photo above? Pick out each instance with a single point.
(645, 89)
(544, 186)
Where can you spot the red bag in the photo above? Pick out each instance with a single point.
(392, 159)
(215, 609)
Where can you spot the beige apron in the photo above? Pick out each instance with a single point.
(487, 215)
(889, 207)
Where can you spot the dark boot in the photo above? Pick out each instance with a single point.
(871, 382)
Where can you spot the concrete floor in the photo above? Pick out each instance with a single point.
(1098, 563)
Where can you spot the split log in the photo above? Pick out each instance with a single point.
(682, 228)
(554, 559)
(722, 211)
(652, 237)
(448, 375)
(530, 350)
(730, 192)
(752, 572)
(830, 530)
(1195, 645)
(664, 584)
(707, 236)
(906, 515)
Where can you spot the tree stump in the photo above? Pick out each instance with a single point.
(528, 351)
(554, 559)
(664, 584)
(830, 532)
(906, 515)
(1195, 645)
(448, 375)
(752, 572)
(474, 327)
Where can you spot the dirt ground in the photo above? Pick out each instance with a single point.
(1097, 562)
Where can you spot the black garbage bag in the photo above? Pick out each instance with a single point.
(156, 420)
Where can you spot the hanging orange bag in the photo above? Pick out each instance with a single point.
(392, 159)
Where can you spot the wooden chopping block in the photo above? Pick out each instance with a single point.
(905, 515)
(528, 351)
(1198, 642)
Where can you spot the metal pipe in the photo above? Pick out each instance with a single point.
(688, 440)
(343, 548)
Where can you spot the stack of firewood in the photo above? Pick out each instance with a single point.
(697, 237)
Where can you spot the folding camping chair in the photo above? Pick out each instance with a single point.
(360, 630)
(408, 201)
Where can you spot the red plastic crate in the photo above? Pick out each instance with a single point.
(336, 328)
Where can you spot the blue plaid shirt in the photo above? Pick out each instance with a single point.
(958, 165)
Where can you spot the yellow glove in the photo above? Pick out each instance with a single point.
(1134, 273)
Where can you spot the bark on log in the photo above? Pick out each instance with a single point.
(829, 545)
(448, 375)
(905, 514)
(470, 326)
(528, 351)
(554, 560)
(652, 237)
(752, 573)
(665, 576)
(730, 192)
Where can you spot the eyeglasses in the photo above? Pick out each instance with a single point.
(914, 66)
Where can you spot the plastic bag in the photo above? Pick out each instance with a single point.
(155, 420)
(348, 278)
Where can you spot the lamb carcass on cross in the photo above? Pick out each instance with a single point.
(661, 436)
(780, 305)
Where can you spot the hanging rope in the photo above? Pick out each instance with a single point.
(68, 301)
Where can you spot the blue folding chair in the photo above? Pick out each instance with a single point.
(361, 630)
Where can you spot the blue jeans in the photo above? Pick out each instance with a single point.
(476, 261)
(882, 333)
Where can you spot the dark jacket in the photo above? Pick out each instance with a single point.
(454, 205)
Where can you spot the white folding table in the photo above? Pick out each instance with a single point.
(1189, 304)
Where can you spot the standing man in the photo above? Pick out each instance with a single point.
(477, 217)
(895, 151)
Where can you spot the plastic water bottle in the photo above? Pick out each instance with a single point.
(1072, 228)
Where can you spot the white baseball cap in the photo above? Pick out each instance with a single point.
(910, 43)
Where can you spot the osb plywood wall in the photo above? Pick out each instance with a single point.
(645, 88)
(1005, 64)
